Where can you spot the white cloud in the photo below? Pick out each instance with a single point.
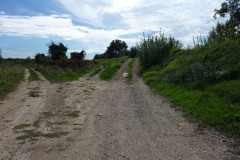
(189, 16)
(111, 19)
(59, 25)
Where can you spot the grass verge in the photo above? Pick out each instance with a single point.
(130, 67)
(10, 76)
(215, 106)
(33, 76)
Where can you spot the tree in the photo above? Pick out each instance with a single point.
(115, 47)
(57, 51)
(78, 55)
(0, 54)
(133, 52)
(39, 58)
(231, 8)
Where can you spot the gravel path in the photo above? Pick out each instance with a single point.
(117, 121)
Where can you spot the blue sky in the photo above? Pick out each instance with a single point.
(27, 26)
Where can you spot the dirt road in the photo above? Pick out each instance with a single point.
(91, 119)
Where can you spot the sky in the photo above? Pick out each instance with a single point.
(28, 26)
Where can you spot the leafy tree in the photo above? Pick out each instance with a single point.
(231, 8)
(114, 49)
(133, 52)
(99, 56)
(57, 51)
(222, 32)
(78, 55)
(39, 58)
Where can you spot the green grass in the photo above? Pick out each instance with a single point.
(203, 107)
(112, 67)
(130, 67)
(36, 123)
(210, 97)
(10, 76)
(95, 72)
(33, 76)
(55, 73)
(48, 114)
(34, 92)
(73, 114)
(21, 126)
(29, 134)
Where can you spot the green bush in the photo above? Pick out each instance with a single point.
(155, 49)
(195, 72)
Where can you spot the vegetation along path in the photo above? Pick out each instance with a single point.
(94, 119)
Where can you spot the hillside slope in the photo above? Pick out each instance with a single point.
(205, 83)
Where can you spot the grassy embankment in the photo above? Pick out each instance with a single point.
(111, 66)
(205, 84)
(10, 77)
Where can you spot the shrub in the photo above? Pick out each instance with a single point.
(39, 58)
(133, 52)
(155, 49)
(195, 72)
(78, 55)
(74, 63)
(99, 56)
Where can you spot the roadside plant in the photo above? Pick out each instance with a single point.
(154, 49)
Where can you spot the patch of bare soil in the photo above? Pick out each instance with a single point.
(94, 119)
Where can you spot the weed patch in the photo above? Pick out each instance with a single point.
(29, 134)
(73, 114)
(36, 124)
(48, 114)
(56, 73)
(95, 72)
(111, 67)
(34, 92)
(130, 67)
(33, 76)
(21, 126)
(10, 76)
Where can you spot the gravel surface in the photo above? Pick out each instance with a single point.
(114, 120)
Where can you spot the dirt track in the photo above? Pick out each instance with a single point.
(118, 121)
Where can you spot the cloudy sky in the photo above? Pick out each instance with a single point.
(27, 26)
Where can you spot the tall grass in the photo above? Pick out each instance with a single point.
(56, 73)
(154, 49)
(10, 76)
